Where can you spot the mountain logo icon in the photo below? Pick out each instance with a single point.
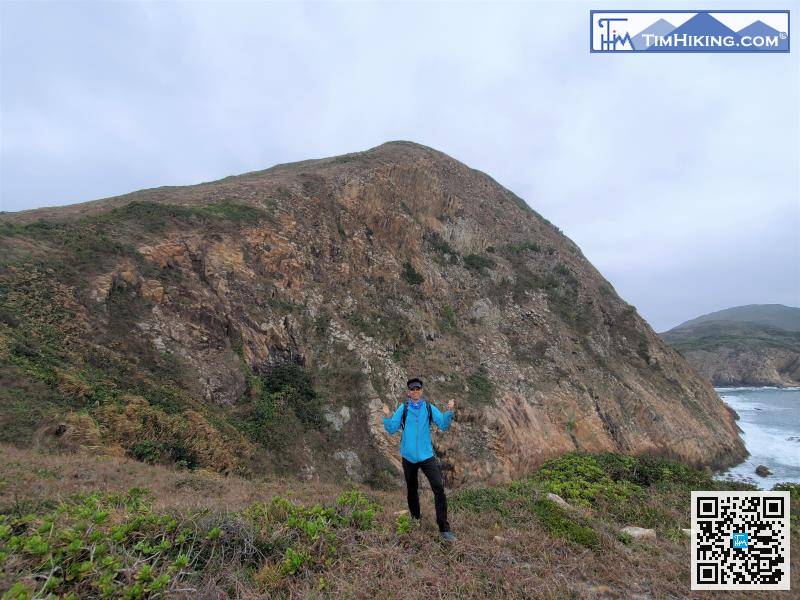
(689, 31)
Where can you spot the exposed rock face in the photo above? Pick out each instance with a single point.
(401, 261)
(731, 353)
(756, 367)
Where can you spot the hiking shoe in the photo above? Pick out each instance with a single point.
(447, 536)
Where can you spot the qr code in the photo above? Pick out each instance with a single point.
(740, 540)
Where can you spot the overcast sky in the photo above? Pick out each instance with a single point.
(678, 175)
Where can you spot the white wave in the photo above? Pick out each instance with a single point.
(756, 388)
(771, 446)
(769, 443)
(739, 404)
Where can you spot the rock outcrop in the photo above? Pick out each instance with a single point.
(735, 353)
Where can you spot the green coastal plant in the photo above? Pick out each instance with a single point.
(581, 479)
(403, 524)
(559, 524)
(117, 545)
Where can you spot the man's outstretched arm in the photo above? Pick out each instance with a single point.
(392, 424)
(443, 419)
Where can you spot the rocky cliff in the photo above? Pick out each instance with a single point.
(731, 353)
(258, 322)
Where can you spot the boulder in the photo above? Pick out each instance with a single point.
(560, 501)
(639, 533)
(763, 471)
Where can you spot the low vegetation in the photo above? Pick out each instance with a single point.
(283, 404)
(478, 262)
(448, 320)
(411, 275)
(203, 535)
(75, 247)
(116, 545)
(93, 388)
(481, 389)
(443, 253)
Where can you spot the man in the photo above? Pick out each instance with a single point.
(416, 450)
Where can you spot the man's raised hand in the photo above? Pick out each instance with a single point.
(386, 410)
(451, 405)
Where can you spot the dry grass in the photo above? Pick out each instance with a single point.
(521, 562)
(38, 476)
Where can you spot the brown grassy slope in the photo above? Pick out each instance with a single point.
(491, 559)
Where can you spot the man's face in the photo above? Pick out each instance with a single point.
(415, 394)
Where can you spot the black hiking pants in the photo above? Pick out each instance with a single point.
(432, 471)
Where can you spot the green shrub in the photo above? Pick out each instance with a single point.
(283, 305)
(560, 285)
(478, 262)
(356, 508)
(231, 211)
(520, 501)
(294, 560)
(481, 389)
(290, 384)
(321, 324)
(267, 422)
(152, 451)
(645, 471)
(92, 243)
(410, 274)
(522, 247)
(148, 451)
(403, 524)
(787, 486)
(364, 324)
(638, 511)
(581, 479)
(289, 375)
(439, 244)
(559, 524)
(54, 366)
(182, 455)
(625, 537)
(351, 509)
(448, 319)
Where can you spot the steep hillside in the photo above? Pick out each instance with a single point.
(258, 322)
(732, 353)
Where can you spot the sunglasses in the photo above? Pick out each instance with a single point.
(416, 387)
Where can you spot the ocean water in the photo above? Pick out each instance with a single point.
(770, 423)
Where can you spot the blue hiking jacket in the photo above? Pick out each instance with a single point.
(415, 445)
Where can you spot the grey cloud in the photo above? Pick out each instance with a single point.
(672, 172)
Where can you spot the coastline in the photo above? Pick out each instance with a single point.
(769, 431)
